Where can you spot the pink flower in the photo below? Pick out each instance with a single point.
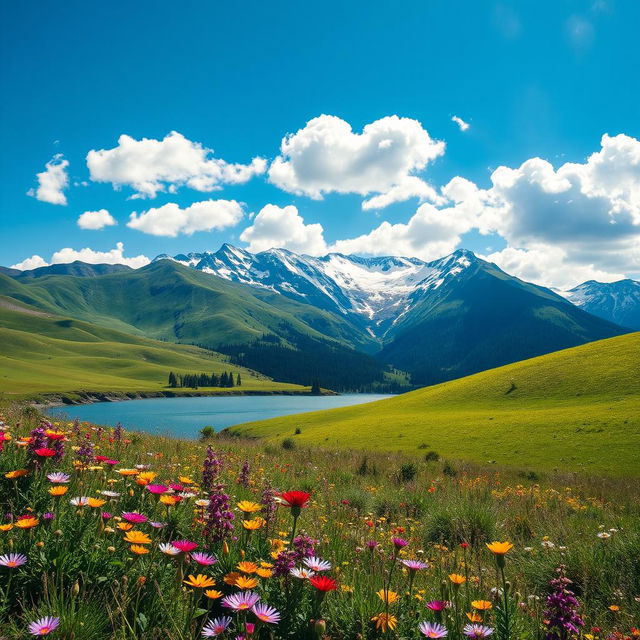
(205, 559)
(134, 516)
(157, 488)
(184, 545)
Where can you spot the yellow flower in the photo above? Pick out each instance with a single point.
(137, 537)
(6, 527)
(169, 500)
(200, 581)
(12, 475)
(499, 548)
(614, 608)
(388, 596)
(246, 506)
(231, 577)
(264, 573)
(474, 617)
(125, 526)
(244, 582)
(385, 621)
(456, 578)
(213, 594)
(95, 502)
(145, 477)
(481, 605)
(247, 567)
(266, 565)
(58, 491)
(128, 472)
(185, 480)
(27, 523)
(138, 550)
(253, 525)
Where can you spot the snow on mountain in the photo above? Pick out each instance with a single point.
(618, 301)
(374, 292)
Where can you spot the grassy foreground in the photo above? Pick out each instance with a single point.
(143, 537)
(42, 353)
(576, 409)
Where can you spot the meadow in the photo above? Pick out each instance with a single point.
(107, 534)
(573, 410)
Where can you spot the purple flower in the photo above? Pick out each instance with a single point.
(265, 613)
(13, 560)
(57, 477)
(399, 543)
(85, 452)
(117, 433)
(216, 626)
(240, 601)
(43, 626)
(432, 630)
(477, 631)
(243, 478)
(219, 518)
(269, 504)
(205, 559)
(414, 565)
(561, 615)
(210, 469)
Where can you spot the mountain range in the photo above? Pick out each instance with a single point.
(349, 321)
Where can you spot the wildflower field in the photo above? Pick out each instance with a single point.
(107, 534)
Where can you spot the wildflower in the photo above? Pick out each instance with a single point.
(145, 477)
(210, 469)
(246, 506)
(388, 597)
(613, 607)
(57, 477)
(128, 472)
(477, 631)
(481, 605)
(156, 489)
(43, 626)
(437, 605)
(316, 564)
(219, 517)
(138, 549)
(110, 494)
(135, 517)
(231, 577)
(13, 560)
(96, 502)
(244, 582)
(200, 581)
(185, 545)
(213, 594)
(561, 615)
(265, 613)
(473, 616)
(27, 522)
(137, 537)
(58, 491)
(205, 559)
(414, 565)
(247, 567)
(124, 526)
(385, 621)
(296, 500)
(323, 583)
(240, 601)
(264, 573)
(170, 500)
(14, 475)
(499, 550)
(432, 630)
(303, 574)
(399, 543)
(80, 501)
(44, 452)
(168, 549)
(216, 626)
(457, 579)
(603, 535)
(158, 525)
(254, 524)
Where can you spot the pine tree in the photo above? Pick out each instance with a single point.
(231, 378)
(173, 382)
(238, 381)
(315, 387)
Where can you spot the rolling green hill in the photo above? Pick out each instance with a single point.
(43, 353)
(577, 409)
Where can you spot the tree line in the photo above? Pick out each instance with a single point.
(195, 380)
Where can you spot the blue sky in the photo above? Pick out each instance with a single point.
(533, 80)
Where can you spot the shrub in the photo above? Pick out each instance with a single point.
(408, 471)
(207, 432)
(288, 444)
(431, 456)
(298, 431)
(448, 470)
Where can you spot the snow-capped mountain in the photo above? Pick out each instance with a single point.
(374, 292)
(617, 302)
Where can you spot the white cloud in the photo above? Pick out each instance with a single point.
(460, 122)
(327, 156)
(52, 181)
(410, 187)
(170, 220)
(284, 228)
(96, 220)
(66, 255)
(149, 166)
(33, 262)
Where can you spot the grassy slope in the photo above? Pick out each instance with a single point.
(577, 409)
(43, 353)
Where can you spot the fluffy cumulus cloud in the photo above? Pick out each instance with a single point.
(66, 255)
(328, 156)
(149, 166)
(52, 181)
(96, 220)
(170, 220)
(284, 228)
(462, 125)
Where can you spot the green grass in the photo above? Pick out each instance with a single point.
(577, 409)
(45, 354)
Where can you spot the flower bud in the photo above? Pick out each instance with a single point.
(320, 628)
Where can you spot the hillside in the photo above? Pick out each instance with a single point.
(43, 353)
(577, 409)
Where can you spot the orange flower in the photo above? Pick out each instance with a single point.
(200, 581)
(255, 524)
(128, 472)
(246, 506)
(213, 594)
(12, 475)
(247, 567)
(456, 578)
(185, 480)
(58, 491)
(95, 502)
(231, 578)
(474, 617)
(137, 537)
(27, 523)
(499, 548)
(264, 573)
(138, 550)
(244, 582)
(481, 605)
(124, 526)
(169, 499)
(6, 527)
(145, 478)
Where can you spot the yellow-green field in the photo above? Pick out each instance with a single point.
(44, 354)
(577, 410)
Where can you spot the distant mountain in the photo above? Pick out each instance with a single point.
(8, 271)
(77, 268)
(617, 302)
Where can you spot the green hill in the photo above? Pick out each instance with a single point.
(44, 353)
(577, 409)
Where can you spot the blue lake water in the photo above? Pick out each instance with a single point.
(184, 417)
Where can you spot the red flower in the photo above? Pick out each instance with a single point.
(464, 545)
(101, 458)
(323, 583)
(297, 499)
(43, 452)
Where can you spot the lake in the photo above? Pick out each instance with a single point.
(184, 417)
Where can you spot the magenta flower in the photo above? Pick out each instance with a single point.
(13, 560)
(399, 543)
(158, 525)
(157, 489)
(134, 516)
(240, 601)
(184, 545)
(437, 605)
(216, 626)
(372, 544)
(477, 631)
(265, 613)
(432, 630)
(175, 486)
(205, 559)
(43, 626)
